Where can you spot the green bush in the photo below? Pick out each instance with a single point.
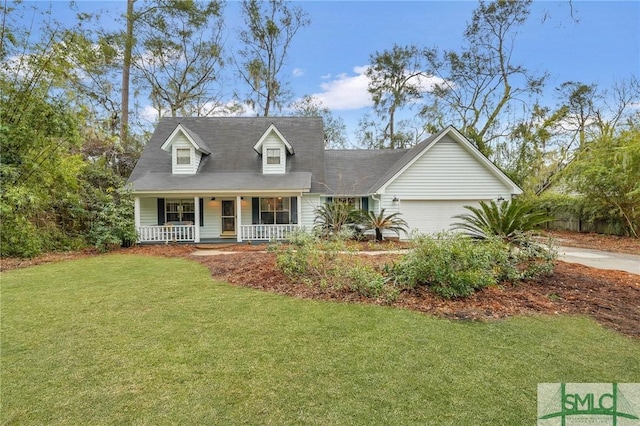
(451, 265)
(505, 220)
(112, 223)
(328, 263)
(454, 265)
(308, 256)
(367, 281)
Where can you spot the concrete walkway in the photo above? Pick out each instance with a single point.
(601, 259)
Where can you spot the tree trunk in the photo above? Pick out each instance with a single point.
(378, 234)
(126, 68)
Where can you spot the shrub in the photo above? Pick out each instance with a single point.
(333, 218)
(308, 256)
(328, 263)
(363, 279)
(381, 222)
(454, 265)
(504, 220)
(112, 222)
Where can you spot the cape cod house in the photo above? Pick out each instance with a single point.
(246, 178)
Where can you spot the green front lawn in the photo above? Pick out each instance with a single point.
(130, 339)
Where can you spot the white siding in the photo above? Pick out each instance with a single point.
(309, 203)
(245, 211)
(447, 171)
(211, 228)
(271, 142)
(181, 142)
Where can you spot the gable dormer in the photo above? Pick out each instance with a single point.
(187, 150)
(274, 149)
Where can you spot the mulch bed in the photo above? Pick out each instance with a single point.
(596, 241)
(611, 297)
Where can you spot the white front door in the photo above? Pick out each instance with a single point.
(228, 215)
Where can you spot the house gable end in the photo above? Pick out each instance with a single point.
(455, 164)
(273, 147)
(187, 150)
(272, 129)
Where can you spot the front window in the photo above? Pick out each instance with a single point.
(183, 156)
(180, 211)
(275, 210)
(273, 156)
(351, 201)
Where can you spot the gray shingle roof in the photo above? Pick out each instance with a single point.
(203, 146)
(363, 172)
(355, 172)
(230, 141)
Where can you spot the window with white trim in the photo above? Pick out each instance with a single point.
(273, 155)
(354, 202)
(180, 211)
(275, 210)
(183, 156)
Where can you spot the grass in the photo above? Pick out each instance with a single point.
(124, 339)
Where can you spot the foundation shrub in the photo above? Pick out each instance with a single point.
(455, 265)
(329, 263)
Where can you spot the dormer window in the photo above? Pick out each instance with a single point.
(274, 150)
(187, 150)
(273, 156)
(183, 156)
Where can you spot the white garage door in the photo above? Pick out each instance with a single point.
(433, 216)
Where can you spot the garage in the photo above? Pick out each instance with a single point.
(429, 216)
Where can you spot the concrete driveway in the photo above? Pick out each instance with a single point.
(601, 259)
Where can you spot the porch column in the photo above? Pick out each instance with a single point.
(299, 208)
(136, 212)
(239, 218)
(196, 232)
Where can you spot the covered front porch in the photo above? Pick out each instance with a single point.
(187, 233)
(165, 218)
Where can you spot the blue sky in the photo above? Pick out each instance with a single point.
(327, 58)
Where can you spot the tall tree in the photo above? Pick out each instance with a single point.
(334, 127)
(46, 90)
(179, 54)
(397, 77)
(481, 82)
(579, 103)
(606, 173)
(126, 70)
(270, 27)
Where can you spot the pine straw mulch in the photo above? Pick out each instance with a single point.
(596, 241)
(611, 297)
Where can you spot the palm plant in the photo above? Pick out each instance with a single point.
(332, 218)
(506, 220)
(380, 222)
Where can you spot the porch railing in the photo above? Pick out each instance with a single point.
(266, 232)
(166, 233)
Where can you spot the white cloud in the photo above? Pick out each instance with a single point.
(349, 92)
(298, 72)
(427, 83)
(345, 92)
